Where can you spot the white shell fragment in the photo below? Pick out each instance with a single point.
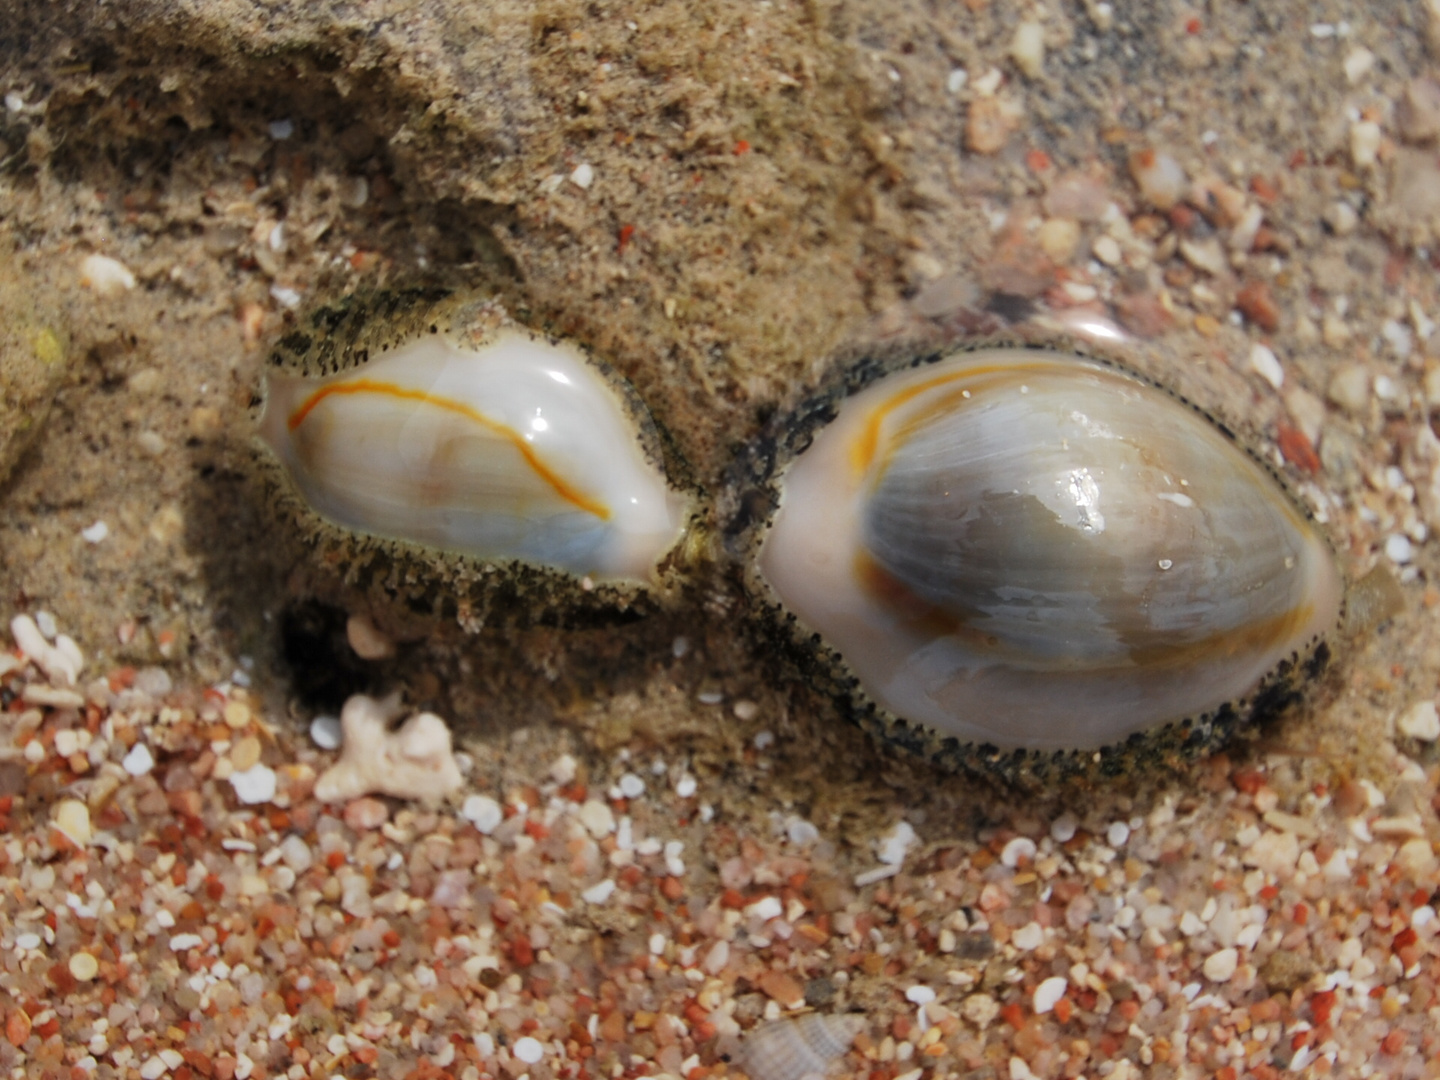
(1034, 550)
(803, 1047)
(415, 761)
(515, 449)
(61, 662)
(106, 276)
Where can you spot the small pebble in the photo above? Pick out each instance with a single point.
(582, 177)
(1265, 364)
(107, 277)
(1062, 829)
(685, 786)
(237, 714)
(368, 641)
(1220, 966)
(1365, 139)
(1399, 549)
(245, 753)
(1118, 834)
(84, 966)
(920, 995)
(255, 785)
(599, 893)
(280, 130)
(563, 769)
(528, 1050)
(46, 624)
(1350, 388)
(139, 760)
(1106, 250)
(95, 533)
(1022, 848)
(631, 786)
(598, 818)
(1420, 721)
(1160, 178)
(365, 814)
(892, 847)
(1027, 49)
(72, 818)
(482, 811)
(1049, 993)
(325, 732)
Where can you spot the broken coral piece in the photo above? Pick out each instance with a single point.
(414, 761)
(61, 662)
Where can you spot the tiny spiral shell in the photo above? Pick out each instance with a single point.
(796, 1049)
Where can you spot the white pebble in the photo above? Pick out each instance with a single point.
(1265, 364)
(685, 786)
(47, 625)
(14, 102)
(95, 533)
(528, 1050)
(764, 740)
(325, 732)
(680, 646)
(1358, 64)
(27, 941)
(153, 1069)
(598, 819)
(1364, 143)
(139, 760)
(598, 893)
(1049, 993)
(106, 276)
(1018, 849)
(1220, 966)
(1062, 829)
(800, 832)
(631, 786)
(765, 909)
(1106, 250)
(185, 942)
(255, 785)
(280, 130)
(1420, 721)
(657, 944)
(1028, 937)
(583, 176)
(919, 995)
(1117, 834)
(892, 847)
(563, 769)
(956, 80)
(1399, 549)
(285, 296)
(483, 811)
(1027, 49)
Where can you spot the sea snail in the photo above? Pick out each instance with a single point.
(497, 445)
(1030, 550)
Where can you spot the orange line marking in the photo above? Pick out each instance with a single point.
(373, 386)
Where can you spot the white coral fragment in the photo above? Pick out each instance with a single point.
(106, 276)
(414, 761)
(61, 662)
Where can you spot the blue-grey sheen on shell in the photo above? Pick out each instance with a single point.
(1033, 550)
(515, 448)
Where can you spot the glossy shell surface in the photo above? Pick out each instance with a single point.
(516, 448)
(1034, 550)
